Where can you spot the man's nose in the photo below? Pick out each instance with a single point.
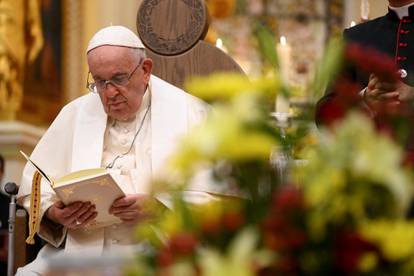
(111, 90)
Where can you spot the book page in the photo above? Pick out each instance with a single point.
(79, 176)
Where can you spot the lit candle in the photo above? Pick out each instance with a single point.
(364, 10)
(284, 56)
(285, 62)
(219, 44)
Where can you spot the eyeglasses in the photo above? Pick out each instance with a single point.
(118, 80)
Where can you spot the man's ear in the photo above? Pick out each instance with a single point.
(147, 67)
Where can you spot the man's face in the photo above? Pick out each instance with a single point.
(115, 63)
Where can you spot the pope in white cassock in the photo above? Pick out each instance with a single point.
(130, 123)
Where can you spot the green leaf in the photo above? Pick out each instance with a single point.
(266, 41)
(328, 67)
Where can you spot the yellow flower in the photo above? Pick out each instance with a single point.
(225, 135)
(344, 167)
(226, 86)
(395, 238)
(239, 257)
(368, 262)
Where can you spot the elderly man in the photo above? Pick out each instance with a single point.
(129, 123)
(392, 35)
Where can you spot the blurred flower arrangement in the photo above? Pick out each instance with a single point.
(341, 212)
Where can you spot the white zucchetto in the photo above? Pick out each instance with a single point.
(115, 36)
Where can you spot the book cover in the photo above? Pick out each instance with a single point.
(97, 186)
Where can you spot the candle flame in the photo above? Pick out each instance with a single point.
(219, 43)
(283, 40)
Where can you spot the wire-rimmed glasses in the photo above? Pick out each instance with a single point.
(120, 80)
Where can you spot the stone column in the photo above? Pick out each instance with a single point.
(16, 136)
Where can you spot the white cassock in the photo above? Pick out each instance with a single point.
(82, 137)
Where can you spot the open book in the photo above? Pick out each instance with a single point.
(97, 186)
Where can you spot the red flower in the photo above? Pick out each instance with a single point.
(295, 238)
(346, 98)
(274, 241)
(331, 112)
(211, 226)
(287, 265)
(287, 198)
(283, 227)
(409, 159)
(370, 61)
(165, 257)
(274, 222)
(179, 245)
(347, 91)
(183, 243)
(349, 248)
(232, 221)
(373, 61)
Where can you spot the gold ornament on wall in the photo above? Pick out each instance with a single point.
(20, 42)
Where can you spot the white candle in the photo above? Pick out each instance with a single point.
(364, 10)
(285, 63)
(282, 104)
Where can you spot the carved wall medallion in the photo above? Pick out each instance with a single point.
(171, 27)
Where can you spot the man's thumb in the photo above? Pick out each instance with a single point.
(59, 204)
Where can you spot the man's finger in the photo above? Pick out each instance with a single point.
(117, 210)
(83, 209)
(136, 218)
(372, 83)
(388, 96)
(124, 201)
(71, 209)
(378, 94)
(88, 219)
(127, 212)
(373, 94)
(386, 86)
(83, 216)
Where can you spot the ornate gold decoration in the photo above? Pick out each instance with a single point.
(20, 42)
(103, 182)
(66, 192)
(34, 216)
